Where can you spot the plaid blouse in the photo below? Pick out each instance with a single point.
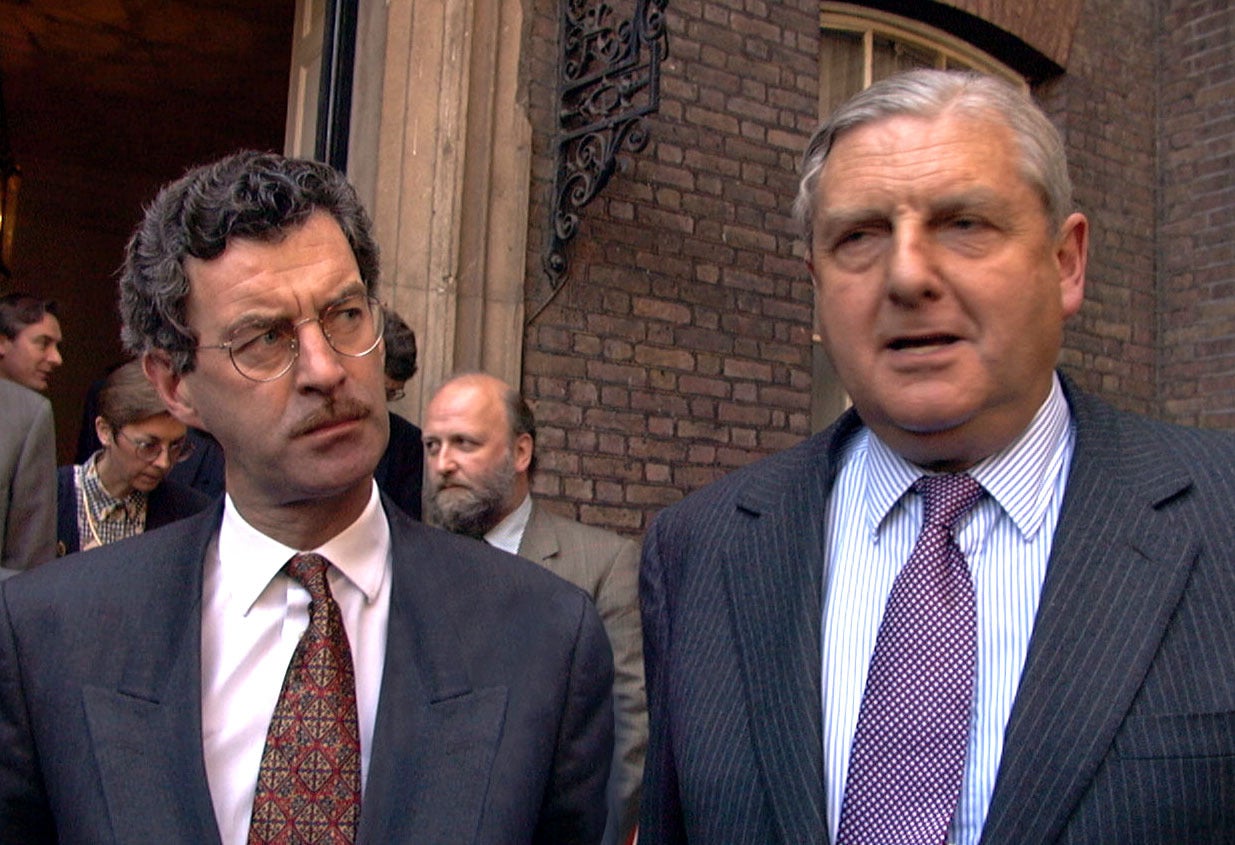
(101, 517)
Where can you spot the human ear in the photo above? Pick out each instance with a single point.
(1071, 255)
(523, 452)
(171, 387)
(103, 430)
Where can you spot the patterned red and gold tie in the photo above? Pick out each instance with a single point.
(308, 787)
(908, 754)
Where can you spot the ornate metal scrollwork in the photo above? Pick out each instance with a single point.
(609, 79)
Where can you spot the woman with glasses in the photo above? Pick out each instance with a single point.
(120, 491)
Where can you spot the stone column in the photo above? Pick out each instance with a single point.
(452, 179)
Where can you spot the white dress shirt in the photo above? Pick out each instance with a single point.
(872, 525)
(508, 534)
(252, 618)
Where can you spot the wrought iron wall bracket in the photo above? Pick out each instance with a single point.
(608, 81)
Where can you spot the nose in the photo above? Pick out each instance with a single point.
(441, 463)
(318, 367)
(164, 460)
(53, 355)
(911, 273)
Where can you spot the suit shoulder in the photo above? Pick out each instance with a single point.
(1159, 460)
(22, 405)
(580, 533)
(116, 572)
(185, 497)
(761, 484)
(463, 566)
(1146, 438)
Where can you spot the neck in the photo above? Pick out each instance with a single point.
(306, 524)
(116, 485)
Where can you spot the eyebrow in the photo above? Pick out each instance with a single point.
(977, 198)
(249, 320)
(832, 223)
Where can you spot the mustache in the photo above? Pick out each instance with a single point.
(332, 413)
(436, 483)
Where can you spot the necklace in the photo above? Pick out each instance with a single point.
(93, 521)
(94, 532)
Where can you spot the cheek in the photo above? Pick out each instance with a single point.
(133, 466)
(843, 322)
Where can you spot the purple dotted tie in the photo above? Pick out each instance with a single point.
(908, 753)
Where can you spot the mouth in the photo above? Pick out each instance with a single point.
(333, 416)
(921, 342)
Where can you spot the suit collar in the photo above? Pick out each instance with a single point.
(152, 721)
(1117, 570)
(436, 736)
(773, 570)
(434, 741)
(1112, 585)
(508, 534)
(540, 541)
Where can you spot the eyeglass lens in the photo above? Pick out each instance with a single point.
(150, 450)
(264, 352)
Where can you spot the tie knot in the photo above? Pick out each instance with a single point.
(310, 571)
(947, 497)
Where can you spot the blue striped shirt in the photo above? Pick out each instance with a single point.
(872, 525)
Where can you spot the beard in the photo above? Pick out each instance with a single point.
(472, 511)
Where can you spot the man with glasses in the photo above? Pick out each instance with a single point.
(301, 662)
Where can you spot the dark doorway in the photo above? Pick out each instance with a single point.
(106, 100)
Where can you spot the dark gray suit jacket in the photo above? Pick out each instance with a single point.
(606, 566)
(1123, 729)
(494, 723)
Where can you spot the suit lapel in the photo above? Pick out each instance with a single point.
(436, 737)
(774, 575)
(147, 732)
(1117, 570)
(539, 542)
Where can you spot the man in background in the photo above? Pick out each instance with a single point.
(480, 451)
(27, 479)
(983, 605)
(29, 340)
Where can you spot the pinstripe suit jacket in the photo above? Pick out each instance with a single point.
(1123, 729)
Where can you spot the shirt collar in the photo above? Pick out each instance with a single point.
(100, 501)
(508, 534)
(1020, 478)
(249, 559)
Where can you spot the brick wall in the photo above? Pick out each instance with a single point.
(679, 348)
(1197, 235)
(1105, 105)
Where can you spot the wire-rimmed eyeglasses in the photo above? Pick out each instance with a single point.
(264, 350)
(150, 450)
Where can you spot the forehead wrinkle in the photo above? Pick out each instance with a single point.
(901, 153)
(269, 275)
